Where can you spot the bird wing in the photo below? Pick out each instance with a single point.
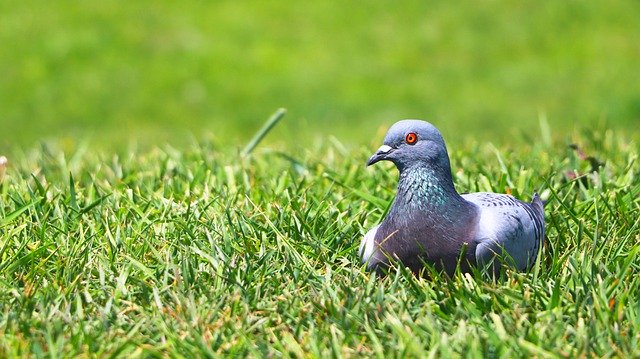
(367, 246)
(508, 228)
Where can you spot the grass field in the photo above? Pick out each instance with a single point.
(153, 72)
(202, 252)
(131, 225)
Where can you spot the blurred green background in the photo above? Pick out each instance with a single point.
(151, 72)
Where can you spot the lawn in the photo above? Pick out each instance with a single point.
(133, 224)
(203, 252)
(155, 72)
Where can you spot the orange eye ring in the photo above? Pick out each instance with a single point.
(411, 138)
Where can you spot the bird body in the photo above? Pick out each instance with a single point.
(429, 222)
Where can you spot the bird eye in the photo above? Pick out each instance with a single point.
(411, 138)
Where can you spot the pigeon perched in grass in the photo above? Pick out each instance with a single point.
(429, 222)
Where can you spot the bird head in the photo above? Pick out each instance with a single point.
(412, 142)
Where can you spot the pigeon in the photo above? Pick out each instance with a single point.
(429, 222)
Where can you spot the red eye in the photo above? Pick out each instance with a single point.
(411, 138)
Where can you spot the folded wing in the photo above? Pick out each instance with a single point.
(509, 230)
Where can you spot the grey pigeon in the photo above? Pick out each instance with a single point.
(429, 222)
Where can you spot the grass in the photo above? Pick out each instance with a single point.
(154, 72)
(120, 236)
(203, 252)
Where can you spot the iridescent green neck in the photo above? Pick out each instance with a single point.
(425, 188)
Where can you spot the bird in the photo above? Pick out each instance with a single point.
(429, 222)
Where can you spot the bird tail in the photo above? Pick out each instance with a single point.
(538, 221)
(538, 202)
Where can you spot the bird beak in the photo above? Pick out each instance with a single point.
(380, 155)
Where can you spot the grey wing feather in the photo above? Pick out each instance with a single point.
(509, 228)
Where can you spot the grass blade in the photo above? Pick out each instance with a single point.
(268, 126)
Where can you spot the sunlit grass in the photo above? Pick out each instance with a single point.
(200, 251)
(154, 72)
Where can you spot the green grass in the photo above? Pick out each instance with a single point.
(153, 72)
(202, 252)
(139, 219)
